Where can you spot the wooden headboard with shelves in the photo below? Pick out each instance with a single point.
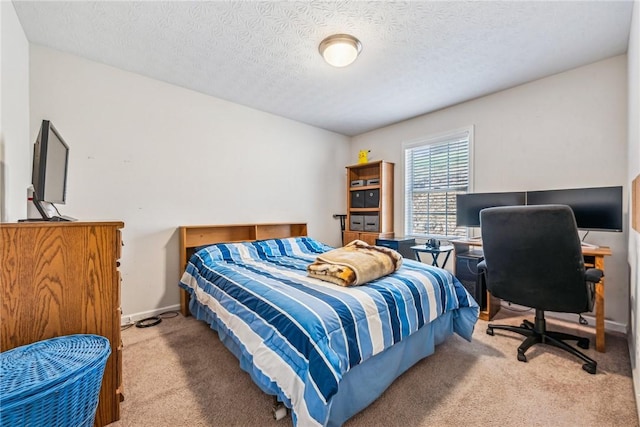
(194, 236)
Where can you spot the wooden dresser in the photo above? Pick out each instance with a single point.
(62, 278)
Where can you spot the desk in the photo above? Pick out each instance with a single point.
(435, 253)
(593, 258)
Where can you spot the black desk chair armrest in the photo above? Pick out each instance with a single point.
(482, 267)
(593, 275)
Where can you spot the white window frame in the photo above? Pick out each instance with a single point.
(430, 140)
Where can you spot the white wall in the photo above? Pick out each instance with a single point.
(568, 130)
(15, 170)
(633, 170)
(159, 156)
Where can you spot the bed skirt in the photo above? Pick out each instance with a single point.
(362, 384)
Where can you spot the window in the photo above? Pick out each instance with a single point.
(436, 169)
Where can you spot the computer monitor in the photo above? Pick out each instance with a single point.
(49, 173)
(598, 208)
(468, 206)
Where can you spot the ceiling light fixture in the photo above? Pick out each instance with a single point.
(340, 50)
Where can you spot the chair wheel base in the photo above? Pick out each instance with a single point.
(583, 343)
(536, 333)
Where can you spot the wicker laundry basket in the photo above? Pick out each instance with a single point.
(54, 382)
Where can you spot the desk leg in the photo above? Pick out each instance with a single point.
(446, 258)
(599, 263)
(434, 257)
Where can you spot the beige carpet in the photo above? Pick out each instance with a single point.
(179, 374)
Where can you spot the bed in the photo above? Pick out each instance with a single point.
(323, 350)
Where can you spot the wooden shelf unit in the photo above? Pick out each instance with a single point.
(383, 172)
(62, 278)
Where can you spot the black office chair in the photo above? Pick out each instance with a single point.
(533, 257)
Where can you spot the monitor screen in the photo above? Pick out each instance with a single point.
(50, 158)
(597, 208)
(468, 206)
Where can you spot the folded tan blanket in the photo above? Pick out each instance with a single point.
(355, 264)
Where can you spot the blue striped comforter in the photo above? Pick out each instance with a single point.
(302, 335)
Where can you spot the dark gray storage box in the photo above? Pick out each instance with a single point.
(356, 223)
(357, 199)
(371, 223)
(371, 198)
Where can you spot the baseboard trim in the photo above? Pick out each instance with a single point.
(609, 325)
(132, 318)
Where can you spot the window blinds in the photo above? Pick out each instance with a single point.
(434, 173)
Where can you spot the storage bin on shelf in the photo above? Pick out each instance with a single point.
(54, 382)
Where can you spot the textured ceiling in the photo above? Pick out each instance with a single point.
(417, 56)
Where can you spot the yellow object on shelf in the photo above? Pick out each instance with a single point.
(362, 156)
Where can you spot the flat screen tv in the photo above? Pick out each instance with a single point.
(598, 209)
(49, 174)
(468, 206)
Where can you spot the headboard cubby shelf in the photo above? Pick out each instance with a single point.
(194, 236)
